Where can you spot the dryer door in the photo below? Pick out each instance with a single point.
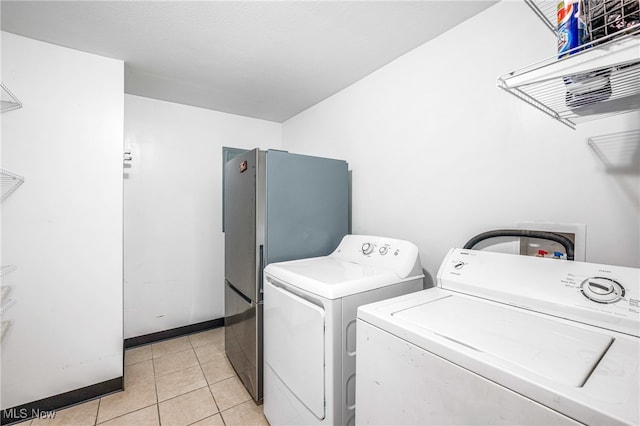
(294, 344)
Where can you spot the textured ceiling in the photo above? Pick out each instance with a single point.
(262, 59)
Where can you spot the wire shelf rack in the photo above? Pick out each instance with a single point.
(619, 152)
(6, 269)
(595, 83)
(4, 329)
(5, 301)
(601, 18)
(546, 10)
(592, 81)
(5, 307)
(8, 100)
(10, 182)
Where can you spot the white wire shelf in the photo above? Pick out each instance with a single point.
(8, 100)
(10, 182)
(596, 80)
(619, 152)
(5, 301)
(5, 307)
(546, 10)
(4, 329)
(6, 269)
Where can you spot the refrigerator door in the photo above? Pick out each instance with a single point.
(240, 223)
(307, 206)
(242, 339)
(244, 239)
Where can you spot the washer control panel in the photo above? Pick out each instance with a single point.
(602, 290)
(604, 295)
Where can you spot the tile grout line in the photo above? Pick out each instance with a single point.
(126, 414)
(155, 386)
(95, 422)
(208, 385)
(175, 353)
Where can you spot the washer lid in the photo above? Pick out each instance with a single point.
(332, 278)
(557, 351)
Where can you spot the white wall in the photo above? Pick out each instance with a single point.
(440, 154)
(174, 260)
(62, 228)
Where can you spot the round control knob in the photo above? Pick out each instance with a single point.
(602, 290)
(600, 287)
(384, 250)
(367, 248)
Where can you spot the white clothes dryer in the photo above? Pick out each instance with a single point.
(310, 325)
(504, 339)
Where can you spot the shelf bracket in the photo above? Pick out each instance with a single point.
(8, 100)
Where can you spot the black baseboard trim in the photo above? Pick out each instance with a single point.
(132, 342)
(46, 408)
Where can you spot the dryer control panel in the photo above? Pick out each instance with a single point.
(399, 255)
(381, 247)
(603, 295)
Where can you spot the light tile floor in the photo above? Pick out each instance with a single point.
(183, 381)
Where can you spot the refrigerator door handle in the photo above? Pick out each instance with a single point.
(261, 272)
(239, 293)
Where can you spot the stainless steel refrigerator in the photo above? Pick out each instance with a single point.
(277, 206)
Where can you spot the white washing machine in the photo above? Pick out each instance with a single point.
(310, 310)
(504, 339)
